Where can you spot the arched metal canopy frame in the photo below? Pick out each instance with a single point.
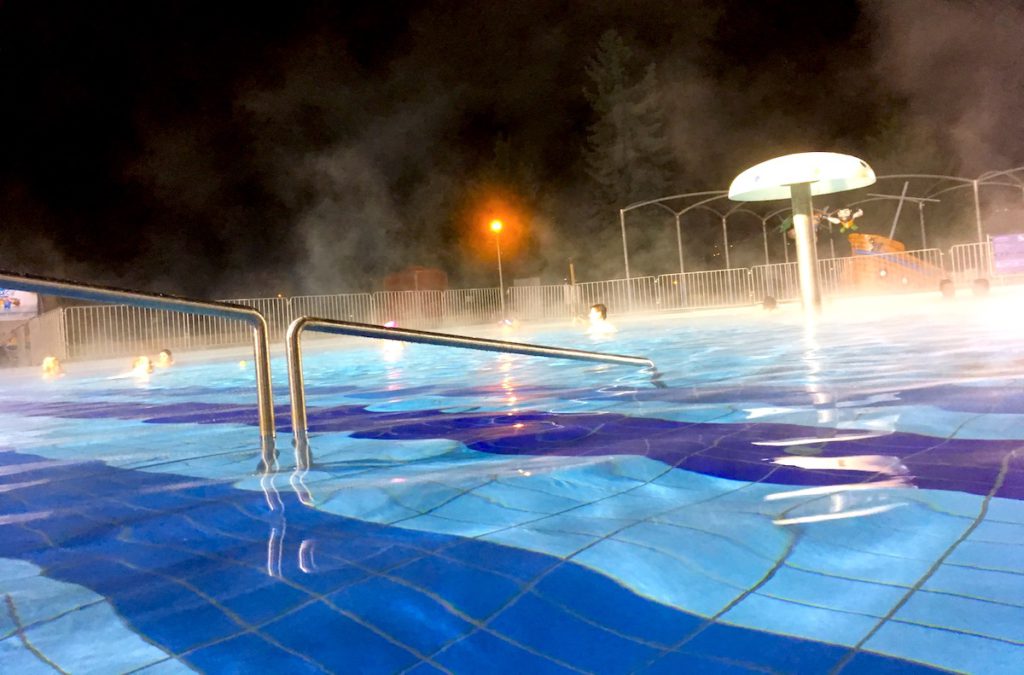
(986, 179)
(709, 195)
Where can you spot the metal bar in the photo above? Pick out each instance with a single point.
(303, 455)
(806, 249)
(899, 210)
(625, 247)
(977, 212)
(261, 349)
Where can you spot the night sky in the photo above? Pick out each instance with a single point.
(234, 149)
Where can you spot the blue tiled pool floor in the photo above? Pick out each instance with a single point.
(818, 506)
(631, 530)
(215, 580)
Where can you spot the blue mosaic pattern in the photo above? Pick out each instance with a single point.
(186, 565)
(763, 513)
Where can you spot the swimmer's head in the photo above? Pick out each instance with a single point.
(770, 303)
(947, 288)
(52, 367)
(598, 312)
(164, 358)
(980, 287)
(142, 365)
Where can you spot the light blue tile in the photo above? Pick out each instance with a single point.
(519, 493)
(999, 532)
(372, 504)
(842, 562)
(424, 495)
(473, 509)
(531, 538)
(945, 649)
(987, 555)
(787, 618)
(964, 614)
(712, 555)
(16, 658)
(434, 523)
(573, 523)
(1007, 510)
(1004, 587)
(71, 642)
(912, 532)
(656, 575)
(40, 599)
(844, 595)
(168, 667)
(752, 530)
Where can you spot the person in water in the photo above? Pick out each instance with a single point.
(599, 323)
(52, 367)
(164, 359)
(980, 288)
(947, 289)
(142, 365)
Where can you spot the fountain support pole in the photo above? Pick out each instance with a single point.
(806, 247)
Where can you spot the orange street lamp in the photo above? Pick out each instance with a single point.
(496, 227)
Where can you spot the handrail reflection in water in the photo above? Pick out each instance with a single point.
(303, 455)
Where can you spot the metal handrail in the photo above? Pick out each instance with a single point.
(261, 343)
(303, 455)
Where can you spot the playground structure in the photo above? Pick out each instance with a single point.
(880, 264)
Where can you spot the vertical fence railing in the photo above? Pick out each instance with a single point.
(470, 306)
(410, 309)
(621, 296)
(119, 330)
(545, 303)
(970, 261)
(358, 307)
(778, 280)
(698, 290)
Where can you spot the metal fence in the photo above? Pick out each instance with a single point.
(970, 261)
(695, 290)
(544, 303)
(116, 330)
(639, 294)
(779, 281)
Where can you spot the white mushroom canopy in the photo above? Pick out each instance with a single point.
(827, 172)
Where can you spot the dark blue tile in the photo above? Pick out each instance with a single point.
(339, 643)
(482, 652)
(688, 662)
(470, 590)
(607, 603)
(513, 562)
(569, 639)
(424, 669)
(408, 616)
(250, 654)
(866, 663)
(777, 652)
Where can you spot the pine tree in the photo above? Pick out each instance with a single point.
(627, 153)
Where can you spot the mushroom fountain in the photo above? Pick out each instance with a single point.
(799, 177)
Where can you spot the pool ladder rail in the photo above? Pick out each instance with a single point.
(293, 346)
(261, 347)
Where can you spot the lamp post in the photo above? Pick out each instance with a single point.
(496, 227)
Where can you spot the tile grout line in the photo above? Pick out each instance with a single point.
(856, 649)
(12, 611)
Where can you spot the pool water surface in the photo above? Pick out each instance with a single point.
(843, 497)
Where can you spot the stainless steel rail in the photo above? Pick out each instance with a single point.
(303, 454)
(261, 347)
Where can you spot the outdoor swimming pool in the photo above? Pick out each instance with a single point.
(843, 498)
